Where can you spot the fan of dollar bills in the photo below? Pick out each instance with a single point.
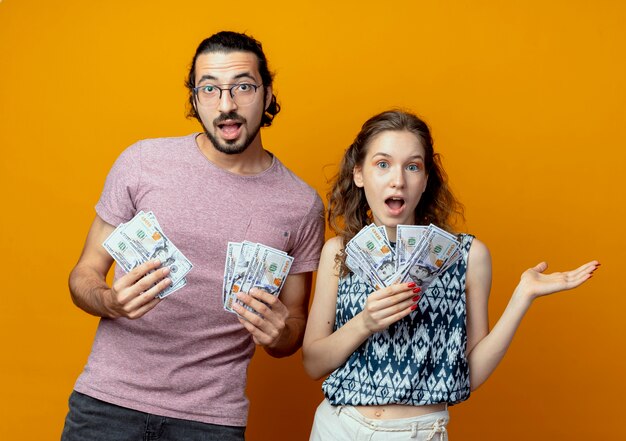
(421, 254)
(142, 239)
(253, 265)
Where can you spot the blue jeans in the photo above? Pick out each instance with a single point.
(90, 419)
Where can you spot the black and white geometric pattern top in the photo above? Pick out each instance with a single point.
(416, 361)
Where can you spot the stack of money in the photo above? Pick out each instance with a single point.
(142, 239)
(253, 265)
(421, 254)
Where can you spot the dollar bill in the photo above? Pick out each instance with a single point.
(408, 238)
(359, 268)
(427, 261)
(370, 247)
(142, 239)
(172, 288)
(251, 265)
(422, 253)
(150, 241)
(272, 271)
(232, 254)
(122, 251)
(247, 258)
(268, 273)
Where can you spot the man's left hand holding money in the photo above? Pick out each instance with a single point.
(279, 328)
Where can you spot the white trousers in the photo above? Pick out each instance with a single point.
(339, 423)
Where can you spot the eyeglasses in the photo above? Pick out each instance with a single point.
(241, 94)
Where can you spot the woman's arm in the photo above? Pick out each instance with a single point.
(486, 349)
(324, 350)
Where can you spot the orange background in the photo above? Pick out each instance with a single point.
(527, 101)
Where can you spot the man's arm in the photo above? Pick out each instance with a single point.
(280, 329)
(131, 296)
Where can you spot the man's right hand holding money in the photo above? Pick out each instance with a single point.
(131, 296)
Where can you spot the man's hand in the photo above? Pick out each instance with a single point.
(267, 328)
(131, 296)
(134, 294)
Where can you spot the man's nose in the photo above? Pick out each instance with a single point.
(227, 103)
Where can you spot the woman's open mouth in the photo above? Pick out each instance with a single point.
(395, 204)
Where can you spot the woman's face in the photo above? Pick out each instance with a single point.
(393, 177)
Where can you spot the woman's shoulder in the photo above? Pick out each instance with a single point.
(333, 245)
(479, 255)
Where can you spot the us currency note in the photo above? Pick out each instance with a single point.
(370, 247)
(272, 271)
(152, 243)
(140, 240)
(269, 274)
(358, 268)
(408, 238)
(422, 253)
(250, 265)
(232, 254)
(427, 261)
(247, 258)
(172, 288)
(120, 248)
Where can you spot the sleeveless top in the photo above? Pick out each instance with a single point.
(418, 360)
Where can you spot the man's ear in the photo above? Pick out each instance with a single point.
(268, 96)
(357, 176)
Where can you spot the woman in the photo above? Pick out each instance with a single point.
(396, 356)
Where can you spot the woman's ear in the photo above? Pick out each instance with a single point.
(357, 176)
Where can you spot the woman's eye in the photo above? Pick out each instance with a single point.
(413, 167)
(382, 164)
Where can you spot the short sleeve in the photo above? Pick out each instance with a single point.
(117, 201)
(309, 240)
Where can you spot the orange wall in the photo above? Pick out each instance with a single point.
(527, 104)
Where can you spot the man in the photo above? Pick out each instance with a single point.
(175, 369)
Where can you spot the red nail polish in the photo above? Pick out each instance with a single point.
(416, 290)
(413, 308)
(416, 298)
(411, 285)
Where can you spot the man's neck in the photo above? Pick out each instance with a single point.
(252, 161)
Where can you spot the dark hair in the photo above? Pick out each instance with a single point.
(227, 41)
(348, 210)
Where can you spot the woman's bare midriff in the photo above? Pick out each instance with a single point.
(395, 411)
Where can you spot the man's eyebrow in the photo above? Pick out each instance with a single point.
(244, 75)
(208, 77)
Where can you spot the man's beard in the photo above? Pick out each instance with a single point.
(235, 146)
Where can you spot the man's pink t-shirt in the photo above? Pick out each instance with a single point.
(187, 358)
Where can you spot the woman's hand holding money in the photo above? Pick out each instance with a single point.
(133, 294)
(388, 305)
